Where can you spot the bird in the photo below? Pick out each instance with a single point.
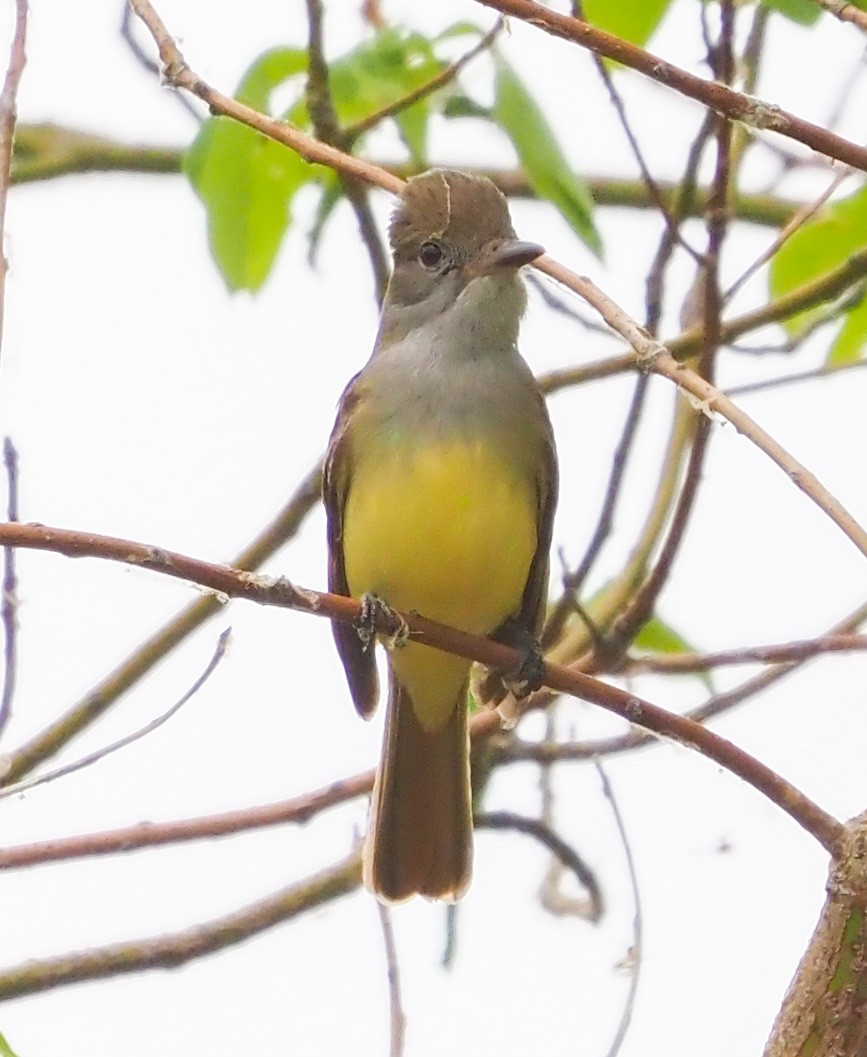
(440, 487)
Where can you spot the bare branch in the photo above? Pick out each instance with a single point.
(280, 592)
(397, 1017)
(718, 97)
(777, 653)
(129, 739)
(298, 810)
(635, 956)
(10, 590)
(178, 948)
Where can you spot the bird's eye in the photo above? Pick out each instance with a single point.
(430, 255)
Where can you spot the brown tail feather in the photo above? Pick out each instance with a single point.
(421, 829)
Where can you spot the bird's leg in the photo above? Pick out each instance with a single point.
(373, 609)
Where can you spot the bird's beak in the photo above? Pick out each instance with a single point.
(511, 254)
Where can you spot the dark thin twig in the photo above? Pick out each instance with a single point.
(397, 1017)
(825, 371)
(146, 62)
(644, 600)
(444, 77)
(682, 208)
(632, 139)
(10, 589)
(573, 581)
(776, 653)
(550, 295)
(327, 128)
(636, 953)
(533, 827)
(122, 743)
(132, 668)
(551, 895)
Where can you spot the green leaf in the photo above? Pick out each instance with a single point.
(805, 12)
(546, 168)
(463, 106)
(851, 342)
(247, 181)
(459, 29)
(331, 193)
(380, 72)
(634, 22)
(658, 637)
(824, 243)
(5, 1049)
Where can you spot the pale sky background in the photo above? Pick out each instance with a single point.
(146, 402)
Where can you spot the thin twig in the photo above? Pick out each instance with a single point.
(819, 291)
(136, 665)
(8, 118)
(825, 371)
(397, 1017)
(327, 127)
(798, 220)
(568, 856)
(776, 653)
(10, 590)
(574, 580)
(297, 810)
(682, 208)
(718, 97)
(631, 138)
(128, 739)
(176, 72)
(513, 750)
(178, 948)
(846, 12)
(635, 955)
(656, 357)
(145, 61)
(440, 80)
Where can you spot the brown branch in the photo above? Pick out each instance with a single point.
(845, 12)
(8, 118)
(816, 292)
(46, 151)
(178, 948)
(567, 856)
(718, 97)
(776, 653)
(9, 607)
(177, 73)
(298, 810)
(280, 592)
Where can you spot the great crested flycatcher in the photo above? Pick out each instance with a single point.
(440, 487)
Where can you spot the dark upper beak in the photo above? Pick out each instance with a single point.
(509, 254)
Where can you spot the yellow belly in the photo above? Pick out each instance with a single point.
(448, 531)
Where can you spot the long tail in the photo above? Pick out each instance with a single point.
(420, 836)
